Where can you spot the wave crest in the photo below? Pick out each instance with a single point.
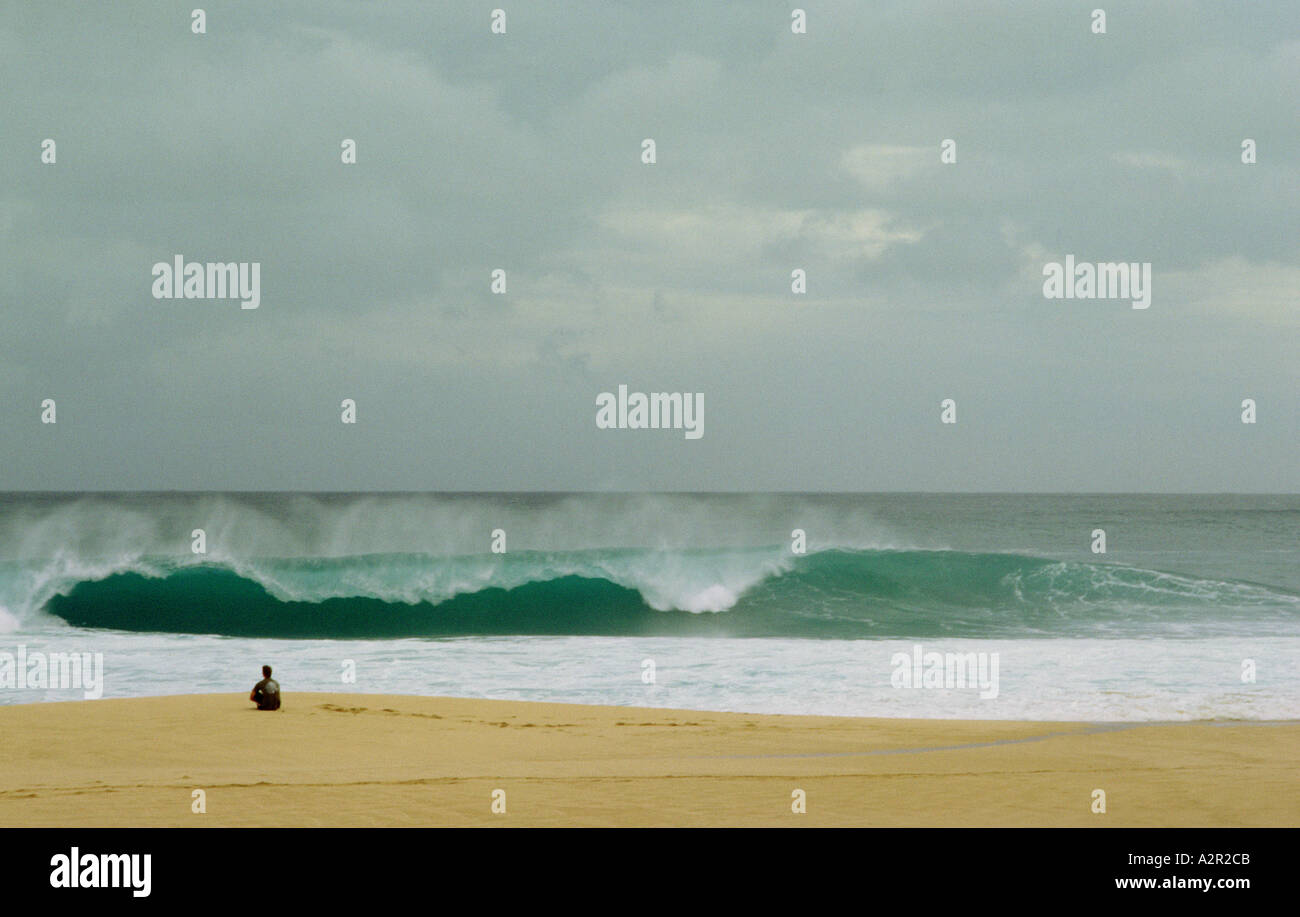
(743, 592)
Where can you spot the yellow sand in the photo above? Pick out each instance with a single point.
(336, 759)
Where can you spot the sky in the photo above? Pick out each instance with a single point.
(775, 151)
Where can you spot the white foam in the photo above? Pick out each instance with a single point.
(1102, 680)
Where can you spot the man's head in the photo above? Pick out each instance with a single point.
(266, 671)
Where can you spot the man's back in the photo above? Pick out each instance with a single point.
(266, 694)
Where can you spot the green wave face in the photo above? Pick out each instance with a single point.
(750, 592)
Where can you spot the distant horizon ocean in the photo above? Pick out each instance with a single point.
(759, 603)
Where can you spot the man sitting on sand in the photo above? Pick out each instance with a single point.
(266, 693)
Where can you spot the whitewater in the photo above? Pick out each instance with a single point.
(688, 601)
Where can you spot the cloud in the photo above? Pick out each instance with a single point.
(742, 235)
(1238, 288)
(881, 167)
(521, 152)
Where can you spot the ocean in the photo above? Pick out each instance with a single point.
(835, 604)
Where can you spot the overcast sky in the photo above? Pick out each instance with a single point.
(775, 151)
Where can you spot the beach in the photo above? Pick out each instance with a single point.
(333, 759)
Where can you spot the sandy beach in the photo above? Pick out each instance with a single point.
(359, 760)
